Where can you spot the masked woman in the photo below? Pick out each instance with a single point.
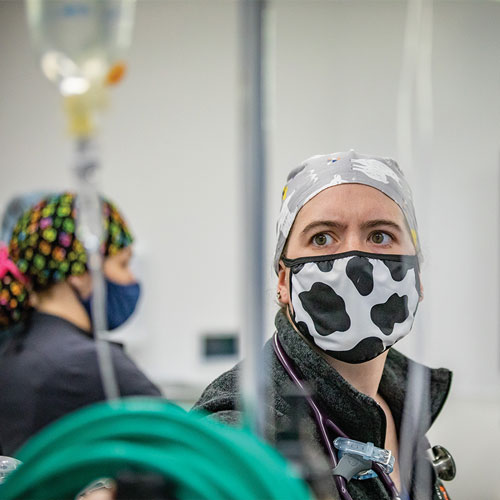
(48, 360)
(347, 260)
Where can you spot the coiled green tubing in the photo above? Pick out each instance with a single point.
(204, 459)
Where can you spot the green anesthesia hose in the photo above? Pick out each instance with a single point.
(204, 459)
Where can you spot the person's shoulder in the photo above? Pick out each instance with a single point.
(221, 396)
(63, 342)
(55, 337)
(70, 356)
(132, 380)
(41, 347)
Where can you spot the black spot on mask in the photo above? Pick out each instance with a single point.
(360, 272)
(297, 268)
(398, 269)
(303, 329)
(326, 309)
(386, 315)
(365, 350)
(325, 266)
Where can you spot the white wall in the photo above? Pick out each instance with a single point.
(170, 159)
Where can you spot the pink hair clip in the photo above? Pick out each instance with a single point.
(7, 265)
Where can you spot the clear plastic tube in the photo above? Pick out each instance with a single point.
(415, 129)
(90, 233)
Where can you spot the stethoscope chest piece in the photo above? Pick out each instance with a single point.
(443, 463)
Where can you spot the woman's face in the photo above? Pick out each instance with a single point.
(117, 267)
(344, 218)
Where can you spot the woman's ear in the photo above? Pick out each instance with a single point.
(82, 284)
(282, 292)
(34, 299)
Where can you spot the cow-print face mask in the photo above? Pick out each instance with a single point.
(354, 305)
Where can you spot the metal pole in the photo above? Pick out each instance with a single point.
(253, 178)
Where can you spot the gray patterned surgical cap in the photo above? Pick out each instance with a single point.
(323, 171)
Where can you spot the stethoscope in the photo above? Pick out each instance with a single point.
(324, 423)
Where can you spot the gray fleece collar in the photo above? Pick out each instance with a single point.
(358, 415)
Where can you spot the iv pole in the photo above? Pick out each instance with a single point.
(253, 187)
(79, 43)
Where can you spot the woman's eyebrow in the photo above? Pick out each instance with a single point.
(323, 223)
(380, 222)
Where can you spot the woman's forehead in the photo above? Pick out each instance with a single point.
(349, 202)
(122, 253)
(337, 170)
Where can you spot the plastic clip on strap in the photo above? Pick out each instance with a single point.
(357, 457)
(97, 485)
(7, 465)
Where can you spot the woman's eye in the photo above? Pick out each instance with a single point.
(322, 239)
(381, 238)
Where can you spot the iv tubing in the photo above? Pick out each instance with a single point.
(415, 129)
(89, 227)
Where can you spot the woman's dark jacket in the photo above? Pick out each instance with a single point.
(358, 415)
(49, 369)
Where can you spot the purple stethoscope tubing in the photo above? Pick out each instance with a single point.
(323, 422)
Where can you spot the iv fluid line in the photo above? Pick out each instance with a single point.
(415, 130)
(90, 232)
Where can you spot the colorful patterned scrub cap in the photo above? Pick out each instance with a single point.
(45, 250)
(15, 208)
(44, 245)
(323, 171)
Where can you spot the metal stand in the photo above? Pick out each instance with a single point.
(254, 194)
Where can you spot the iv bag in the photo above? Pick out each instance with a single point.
(80, 42)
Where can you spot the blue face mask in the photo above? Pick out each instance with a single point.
(121, 301)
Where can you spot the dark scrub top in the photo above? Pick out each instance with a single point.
(49, 369)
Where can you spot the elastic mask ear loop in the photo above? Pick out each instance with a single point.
(289, 305)
(419, 284)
